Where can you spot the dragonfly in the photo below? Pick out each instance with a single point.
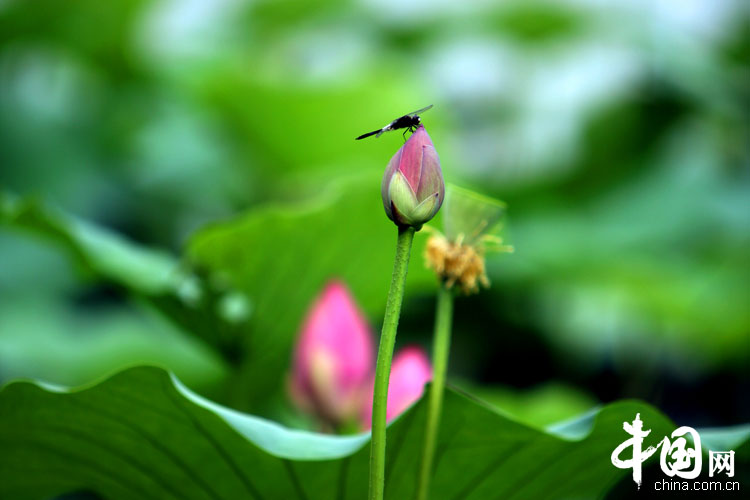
(409, 121)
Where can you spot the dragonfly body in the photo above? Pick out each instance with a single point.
(409, 122)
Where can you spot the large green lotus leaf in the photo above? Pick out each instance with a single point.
(280, 257)
(142, 434)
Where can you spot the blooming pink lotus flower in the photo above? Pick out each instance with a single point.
(413, 187)
(410, 371)
(333, 359)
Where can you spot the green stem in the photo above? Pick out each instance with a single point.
(440, 348)
(383, 367)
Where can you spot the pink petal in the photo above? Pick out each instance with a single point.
(336, 333)
(412, 154)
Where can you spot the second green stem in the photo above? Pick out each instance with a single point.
(383, 366)
(440, 349)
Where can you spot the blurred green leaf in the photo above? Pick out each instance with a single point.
(539, 406)
(143, 434)
(644, 272)
(726, 438)
(97, 30)
(105, 253)
(47, 340)
(534, 22)
(196, 306)
(296, 128)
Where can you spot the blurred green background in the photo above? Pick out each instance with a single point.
(617, 132)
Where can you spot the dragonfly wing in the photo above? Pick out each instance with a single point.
(420, 111)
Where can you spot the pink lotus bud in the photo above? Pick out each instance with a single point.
(410, 371)
(333, 357)
(413, 187)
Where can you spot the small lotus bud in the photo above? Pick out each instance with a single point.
(333, 358)
(410, 371)
(413, 187)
